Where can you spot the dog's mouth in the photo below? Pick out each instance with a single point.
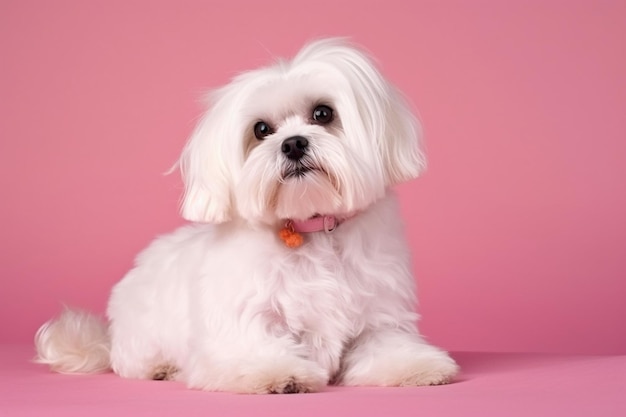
(299, 170)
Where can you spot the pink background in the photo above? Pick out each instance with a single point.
(518, 228)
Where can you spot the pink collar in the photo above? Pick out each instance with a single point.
(290, 234)
(314, 224)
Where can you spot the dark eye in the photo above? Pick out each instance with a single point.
(261, 130)
(323, 114)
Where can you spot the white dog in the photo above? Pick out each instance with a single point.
(296, 273)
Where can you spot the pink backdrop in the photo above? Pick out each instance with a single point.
(518, 227)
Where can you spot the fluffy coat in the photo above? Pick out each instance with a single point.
(222, 304)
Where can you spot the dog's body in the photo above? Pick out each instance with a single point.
(229, 306)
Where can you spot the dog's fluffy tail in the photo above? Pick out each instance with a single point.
(75, 342)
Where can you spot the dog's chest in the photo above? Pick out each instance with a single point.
(320, 290)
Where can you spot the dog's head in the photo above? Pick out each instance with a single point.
(323, 133)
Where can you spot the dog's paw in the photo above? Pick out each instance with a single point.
(293, 377)
(288, 386)
(433, 371)
(284, 375)
(164, 372)
(432, 367)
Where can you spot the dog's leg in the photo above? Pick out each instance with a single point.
(391, 357)
(260, 366)
(131, 360)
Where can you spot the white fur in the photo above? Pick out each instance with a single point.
(226, 305)
(76, 342)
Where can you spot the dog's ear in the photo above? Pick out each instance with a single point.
(403, 158)
(209, 160)
(376, 110)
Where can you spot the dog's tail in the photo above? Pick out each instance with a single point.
(75, 342)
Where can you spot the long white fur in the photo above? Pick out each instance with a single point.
(223, 304)
(77, 342)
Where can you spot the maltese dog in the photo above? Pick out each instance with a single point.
(294, 273)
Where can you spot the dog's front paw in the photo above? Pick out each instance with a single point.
(285, 375)
(289, 377)
(427, 371)
(397, 366)
(288, 386)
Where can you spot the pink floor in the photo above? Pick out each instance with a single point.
(492, 384)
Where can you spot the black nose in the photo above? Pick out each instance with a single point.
(294, 147)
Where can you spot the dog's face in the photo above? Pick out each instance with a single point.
(321, 134)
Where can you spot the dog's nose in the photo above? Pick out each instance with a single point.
(294, 147)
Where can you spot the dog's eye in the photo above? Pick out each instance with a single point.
(261, 130)
(322, 114)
